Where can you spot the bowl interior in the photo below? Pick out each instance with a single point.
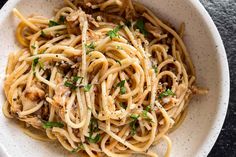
(196, 135)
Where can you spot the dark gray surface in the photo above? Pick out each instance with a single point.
(223, 12)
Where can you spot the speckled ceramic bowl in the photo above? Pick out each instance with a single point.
(197, 134)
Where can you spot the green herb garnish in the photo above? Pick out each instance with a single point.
(72, 84)
(90, 47)
(166, 93)
(144, 114)
(52, 124)
(122, 90)
(35, 62)
(118, 62)
(87, 87)
(114, 33)
(148, 108)
(123, 105)
(93, 127)
(119, 47)
(145, 111)
(33, 47)
(80, 147)
(141, 26)
(134, 116)
(121, 84)
(62, 19)
(43, 34)
(95, 139)
(155, 68)
(52, 23)
(134, 123)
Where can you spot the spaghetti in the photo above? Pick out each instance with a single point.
(104, 78)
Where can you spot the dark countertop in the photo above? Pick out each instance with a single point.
(223, 12)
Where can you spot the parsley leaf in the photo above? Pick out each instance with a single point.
(121, 84)
(148, 108)
(80, 147)
(76, 78)
(119, 47)
(93, 127)
(35, 62)
(134, 116)
(114, 33)
(166, 93)
(87, 87)
(52, 23)
(52, 124)
(123, 105)
(134, 123)
(144, 114)
(118, 62)
(43, 34)
(33, 47)
(155, 68)
(95, 139)
(90, 47)
(70, 85)
(122, 90)
(62, 19)
(141, 26)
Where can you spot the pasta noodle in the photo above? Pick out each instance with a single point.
(102, 77)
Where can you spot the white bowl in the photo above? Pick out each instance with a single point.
(197, 134)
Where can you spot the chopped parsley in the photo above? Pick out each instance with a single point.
(43, 34)
(62, 19)
(154, 68)
(90, 47)
(114, 33)
(134, 116)
(121, 84)
(145, 111)
(76, 78)
(93, 127)
(166, 93)
(95, 139)
(123, 105)
(87, 87)
(118, 62)
(144, 114)
(72, 83)
(141, 26)
(119, 47)
(80, 147)
(52, 23)
(52, 124)
(148, 108)
(35, 62)
(134, 123)
(33, 47)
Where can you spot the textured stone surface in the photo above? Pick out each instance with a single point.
(223, 12)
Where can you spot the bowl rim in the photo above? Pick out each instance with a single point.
(218, 122)
(224, 101)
